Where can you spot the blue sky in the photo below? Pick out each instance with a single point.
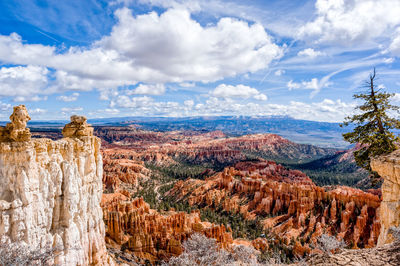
(304, 59)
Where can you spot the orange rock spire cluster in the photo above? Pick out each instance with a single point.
(299, 209)
(150, 235)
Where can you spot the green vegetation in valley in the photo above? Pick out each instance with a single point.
(179, 171)
(329, 171)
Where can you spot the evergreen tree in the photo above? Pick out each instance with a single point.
(373, 125)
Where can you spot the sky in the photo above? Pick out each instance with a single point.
(303, 59)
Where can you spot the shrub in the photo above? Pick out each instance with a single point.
(329, 243)
(16, 255)
(202, 251)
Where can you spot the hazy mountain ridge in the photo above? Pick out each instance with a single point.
(322, 134)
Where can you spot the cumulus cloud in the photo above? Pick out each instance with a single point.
(5, 106)
(279, 72)
(132, 102)
(238, 91)
(147, 89)
(176, 46)
(326, 110)
(309, 52)
(68, 98)
(23, 81)
(396, 97)
(313, 84)
(349, 22)
(187, 84)
(188, 103)
(39, 111)
(71, 109)
(35, 98)
(149, 48)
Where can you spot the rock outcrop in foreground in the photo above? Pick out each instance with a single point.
(388, 167)
(387, 251)
(50, 192)
(388, 254)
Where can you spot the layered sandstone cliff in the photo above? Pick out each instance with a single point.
(388, 167)
(51, 190)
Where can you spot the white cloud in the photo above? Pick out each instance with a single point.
(293, 85)
(238, 91)
(35, 98)
(132, 102)
(71, 109)
(113, 111)
(177, 47)
(22, 81)
(279, 72)
(189, 103)
(349, 22)
(154, 89)
(37, 111)
(396, 97)
(5, 106)
(313, 84)
(327, 110)
(309, 52)
(149, 48)
(261, 97)
(388, 60)
(68, 98)
(394, 47)
(187, 84)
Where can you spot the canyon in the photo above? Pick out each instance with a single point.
(134, 196)
(288, 203)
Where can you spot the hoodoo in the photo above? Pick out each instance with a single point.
(50, 192)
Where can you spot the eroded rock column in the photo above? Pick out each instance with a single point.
(50, 192)
(388, 167)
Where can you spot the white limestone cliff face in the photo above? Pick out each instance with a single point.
(50, 194)
(389, 168)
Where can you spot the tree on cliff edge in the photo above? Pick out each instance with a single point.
(373, 125)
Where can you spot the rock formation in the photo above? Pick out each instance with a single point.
(291, 205)
(388, 167)
(77, 128)
(150, 235)
(16, 130)
(51, 190)
(122, 166)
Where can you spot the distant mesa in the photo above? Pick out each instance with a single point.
(16, 130)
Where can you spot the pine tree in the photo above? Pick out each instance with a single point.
(373, 125)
